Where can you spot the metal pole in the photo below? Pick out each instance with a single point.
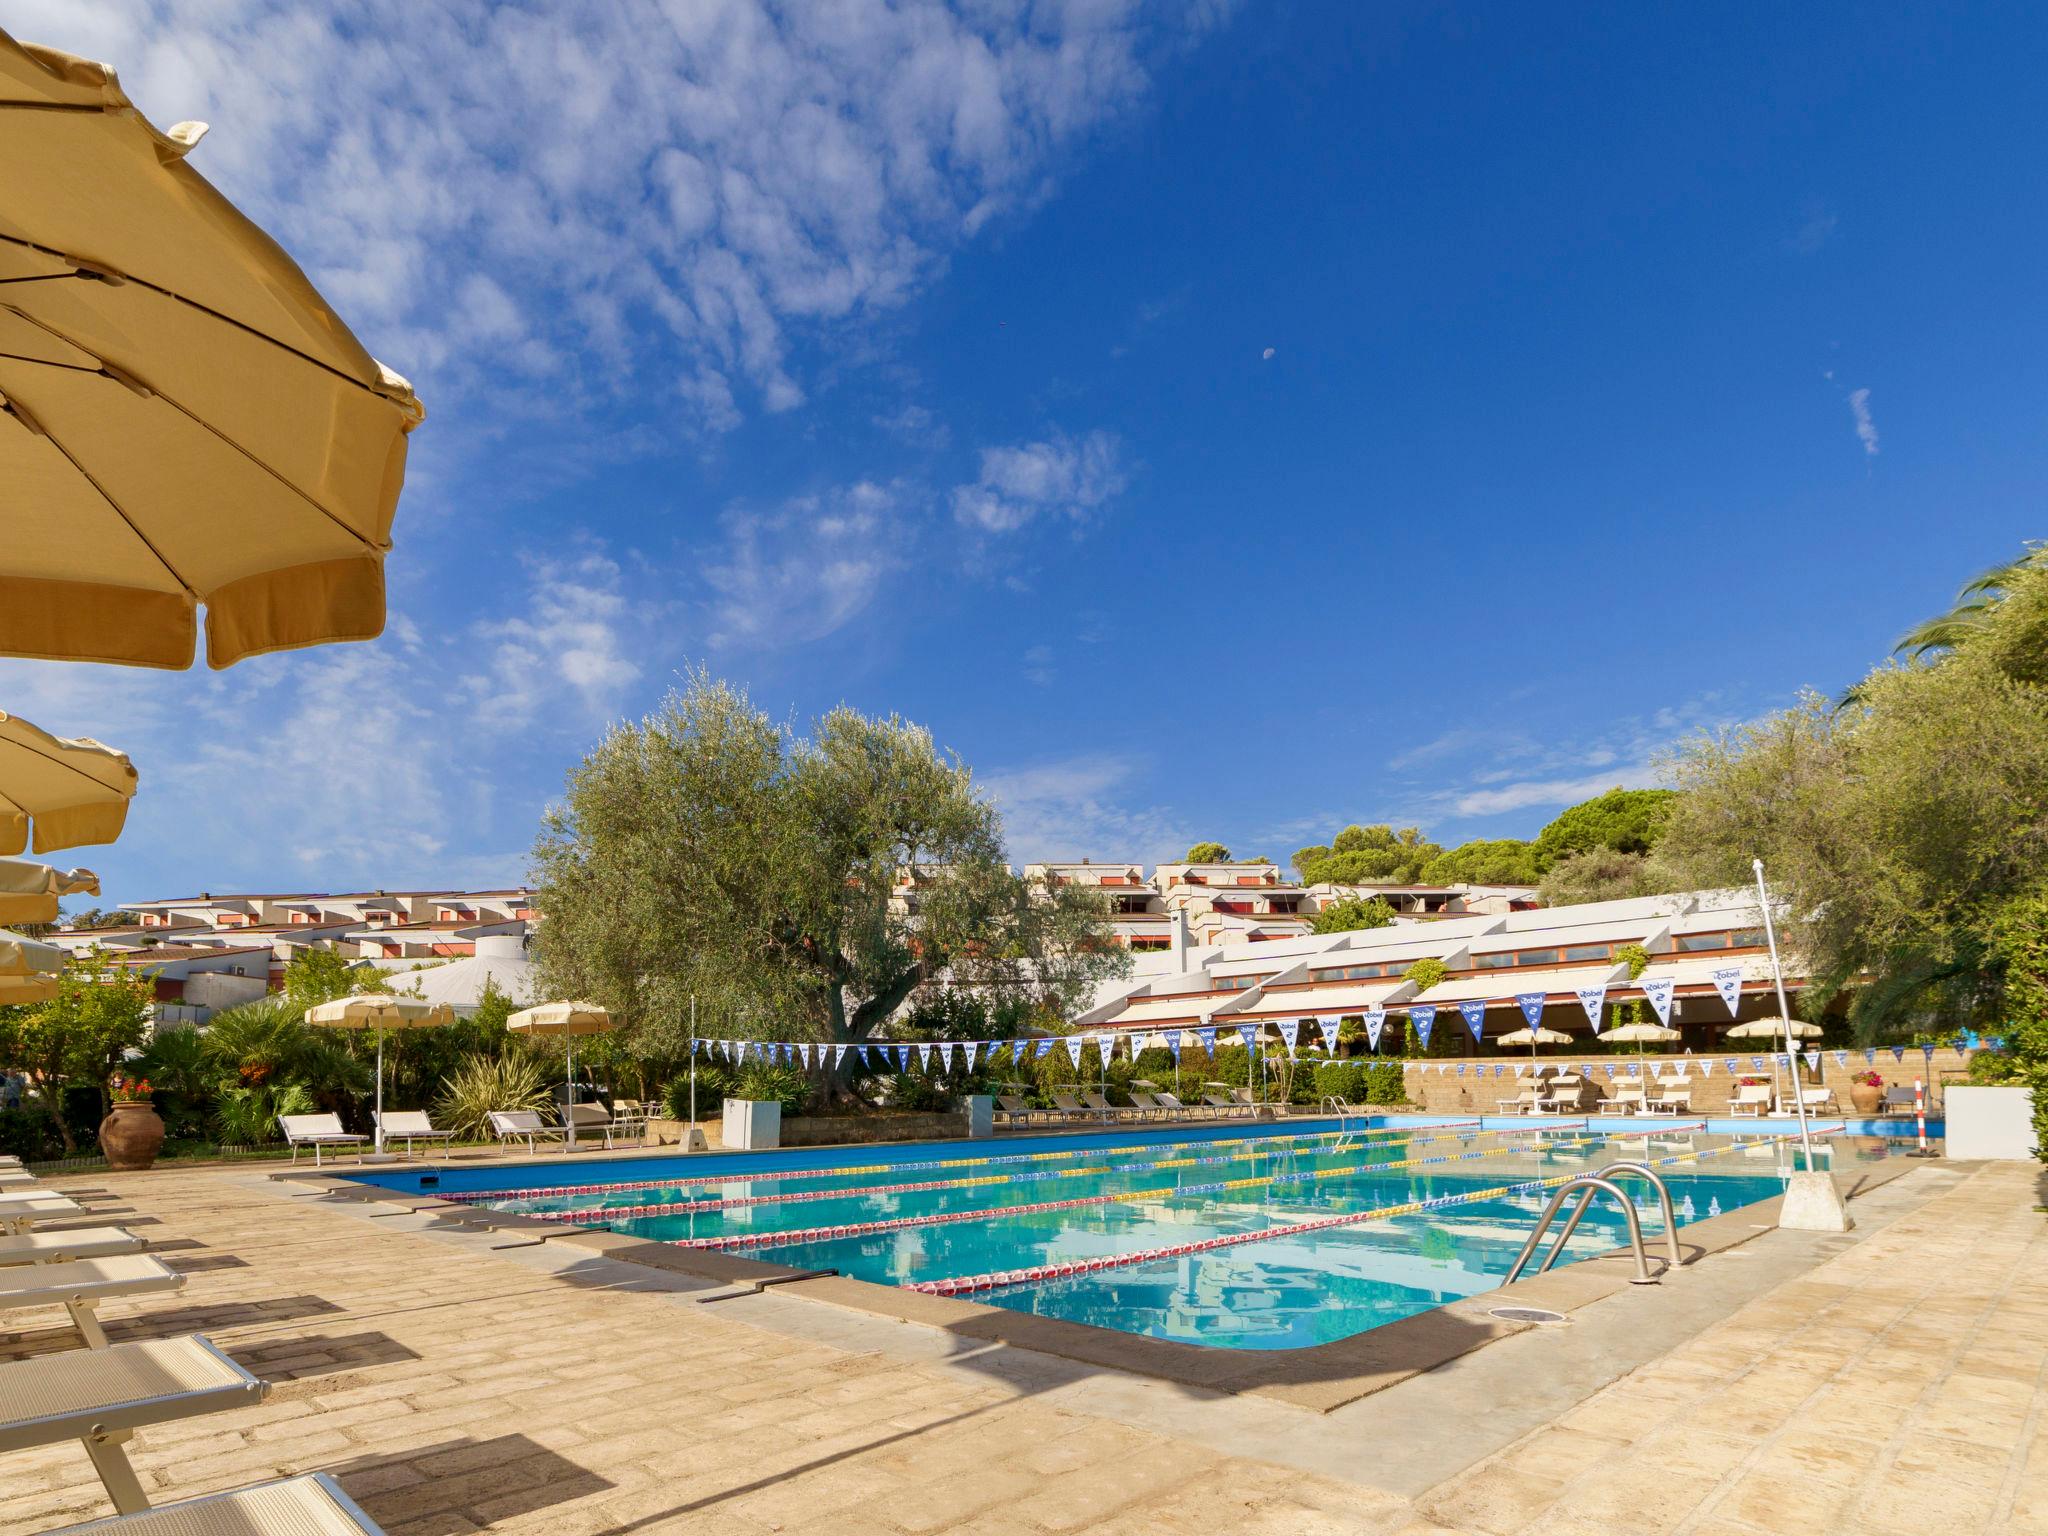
(690, 1136)
(380, 1089)
(1763, 897)
(569, 1104)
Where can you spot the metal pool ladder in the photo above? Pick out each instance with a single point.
(1336, 1104)
(1590, 1184)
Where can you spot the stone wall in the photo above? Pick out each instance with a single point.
(829, 1130)
(1447, 1093)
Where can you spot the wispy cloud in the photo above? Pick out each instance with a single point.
(1525, 793)
(802, 570)
(1076, 807)
(1815, 229)
(574, 635)
(1061, 475)
(1866, 428)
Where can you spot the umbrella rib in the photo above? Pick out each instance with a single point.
(206, 309)
(176, 575)
(104, 371)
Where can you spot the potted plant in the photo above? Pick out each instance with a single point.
(1866, 1092)
(133, 1131)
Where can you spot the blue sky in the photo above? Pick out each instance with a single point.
(1220, 421)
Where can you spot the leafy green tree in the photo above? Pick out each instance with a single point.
(1368, 855)
(80, 1036)
(1622, 820)
(1351, 914)
(1208, 853)
(2019, 949)
(1485, 861)
(706, 852)
(1599, 874)
(314, 976)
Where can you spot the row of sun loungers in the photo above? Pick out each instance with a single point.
(412, 1128)
(101, 1394)
(1092, 1108)
(1569, 1094)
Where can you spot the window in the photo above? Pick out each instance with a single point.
(1589, 951)
(1497, 962)
(1747, 938)
(1354, 973)
(1689, 943)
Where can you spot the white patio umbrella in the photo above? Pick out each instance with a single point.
(1773, 1028)
(567, 1020)
(29, 892)
(71, 789)
(1643, 1034)
(379, 1011)
(29, 971)
(187, 420)
(1533, 1038)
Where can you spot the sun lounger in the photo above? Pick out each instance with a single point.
(1108, 1111)
(310, 1505)
(522, 1124)
(1898, 1100)
(11, 1178)
(1172, 1105)
(79, 1285)
(1814, 1098)
(9, 1160)
(409, 1126)
(1624, 1101)
(1014, 1109)
(1750, 1099)
(1670, 1099)
(1224, 1106)
(629, 1118)
(81, 1243)
(317, 1132)
(102, 1396)
(20, 1210)
(591, 1120)
(1067, 1107)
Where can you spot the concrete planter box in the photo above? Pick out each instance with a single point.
(845, 1130)
(1990, 1122)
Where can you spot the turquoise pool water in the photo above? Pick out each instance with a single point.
(979, 1209)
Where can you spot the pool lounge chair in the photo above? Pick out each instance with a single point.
(318, 1132)
(1898, 1100)
(1147, 1105)
(22, 1209)
(79, 1285)
(1107, 1110)
(1750, 1100)
(1014, 1109)
(1814, 1098)
(1566, 1095)
(1524, 1100)
(1066, 1107)
(629, 1118)
(593, 1119)
(308, 1505)
(102, 1396)
(80, 1243)
(1671, 1097)
(1625, 1100)
(1173, 1106)
(522, 1125)
(409, 1126)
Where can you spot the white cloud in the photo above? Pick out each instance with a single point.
(915, 425)
(1815, 230)
(1866, 429)
(803, 570)
(1533, 792)
(1038, 666)
(1071, 808)
(1059, 475)
(570, 640)
(537, 189)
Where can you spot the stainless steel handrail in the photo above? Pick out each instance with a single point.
(1589, 1182)
(1663, 1197)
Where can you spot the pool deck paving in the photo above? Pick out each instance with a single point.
(455, 1380)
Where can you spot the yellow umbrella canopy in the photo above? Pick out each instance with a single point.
(16, 990)
(72, 789)
(1526, 1036)
(561, 1019)
(1773, 1028)
(188, 421)
(24, 959)
(379, 1011)
(29, 892)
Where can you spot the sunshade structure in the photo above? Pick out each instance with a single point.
(379, 1011)
(1773, 1029)
(65, 790)
(1644, 1034)
(29, 971)
(567, 1020)
(1533, 1038)
(187, 421)
(29, 892)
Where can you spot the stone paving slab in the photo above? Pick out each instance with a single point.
(1898, 1383)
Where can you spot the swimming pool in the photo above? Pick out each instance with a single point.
(1248, 1237)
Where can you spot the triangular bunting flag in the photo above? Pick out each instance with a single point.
(1329, 1028)
(1074, 1044)
(1531, 1004)
(1475, 1017)
(1727, 981)
(1659, 990)
(1424, 1020)
(970, 1048)
(1207, 1035)
(1593, 999)
(1375, 1021)
(1290, 1032)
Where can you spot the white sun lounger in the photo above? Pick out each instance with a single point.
(79, 1243)
(79, 1285)
(22, 1209)
(14, 1178)
(1750, 1099)
(409, 1126)
(316, 1131)
(102, 1396)
(311, 1505)
(517, 1124)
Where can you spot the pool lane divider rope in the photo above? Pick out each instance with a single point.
(596, 1215)
(483, 1197)
(1036, 1274)
(794, 1235)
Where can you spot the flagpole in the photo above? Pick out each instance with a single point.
(691, 1135)
(1763, 897)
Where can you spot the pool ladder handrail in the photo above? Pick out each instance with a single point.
(1336, 1104)
(1590, 1183)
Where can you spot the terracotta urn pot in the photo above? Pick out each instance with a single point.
(131, 1135)
(1866, 1097)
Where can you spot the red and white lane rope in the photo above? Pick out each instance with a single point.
(1003, 1279)
(793, 1235)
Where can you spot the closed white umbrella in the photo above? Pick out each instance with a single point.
(567, 1020)
(70, 790)
(29, 891)
(379, 1011)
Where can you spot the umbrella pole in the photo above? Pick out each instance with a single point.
(569, 1104)
(692, 1136)
(380, 1090)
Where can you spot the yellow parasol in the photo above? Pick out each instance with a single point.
(71, 788)
(379, 1011)
(29, 892)
(567, 1020)
(187, 421)
(29, 971)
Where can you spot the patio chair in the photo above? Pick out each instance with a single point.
(409, 1126)
(1750, 1100)
(11, 1178)
(308, 1505)
(629, 1118)
(1812, 1098)
(588, 1118)
(79, 1285)
(22, 1209)
(1898, 1100)
(1524, 1100)
(1147, 1105)
(318, 1132)
(102, 1396)
(80, 1243)
(521, 1124)
(1624, 1100)
(1672, 1096)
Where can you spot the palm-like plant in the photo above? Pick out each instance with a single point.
(1975, 608)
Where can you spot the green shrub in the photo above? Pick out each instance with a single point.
(480, 1084)
(788, 1086)
(1427, 972)
(715, 1082)
(1361, 1082)
(246, 1115)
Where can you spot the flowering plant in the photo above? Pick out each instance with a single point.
(1751, 1082)
(1869, 1079)
(129, 1090)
